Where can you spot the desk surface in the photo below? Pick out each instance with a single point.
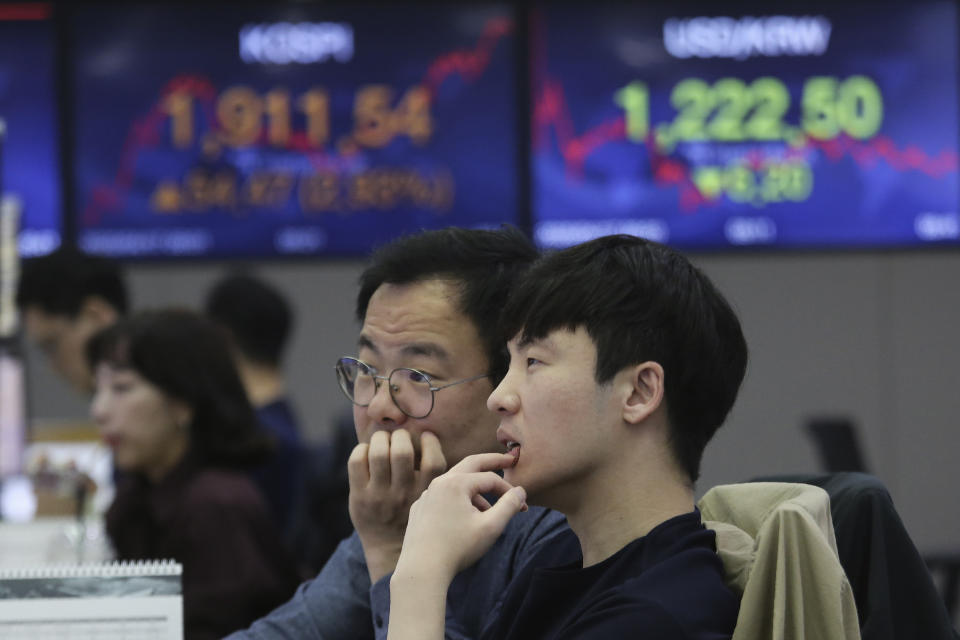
(52, 541)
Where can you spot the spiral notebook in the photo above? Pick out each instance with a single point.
(136, 601)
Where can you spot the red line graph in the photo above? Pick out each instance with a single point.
(144, 133)
(469, 63)
(551, 112)
(147, 131)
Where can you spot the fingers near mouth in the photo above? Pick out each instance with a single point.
(513, 449)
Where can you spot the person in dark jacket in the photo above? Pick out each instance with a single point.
(257, 319)
(170, 405)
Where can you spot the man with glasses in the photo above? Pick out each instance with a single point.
(430, 352)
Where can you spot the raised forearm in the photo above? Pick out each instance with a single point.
(417, 605)
(450, 527)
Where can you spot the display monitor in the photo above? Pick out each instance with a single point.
(299, 129)
(722, 125)
(29, 132)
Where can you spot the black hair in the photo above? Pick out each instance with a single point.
(641, 301)
(483, 264)
(187, 357)
(58, 283)
(256, 316)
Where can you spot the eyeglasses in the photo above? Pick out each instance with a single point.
(411, 390)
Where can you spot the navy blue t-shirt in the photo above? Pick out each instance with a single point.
(280, 478)
(668, 584)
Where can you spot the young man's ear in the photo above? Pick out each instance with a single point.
(647, 394)
(98, 311)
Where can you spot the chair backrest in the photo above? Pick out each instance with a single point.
(784, 559)
(945, 570)
(837, 443)
(896, 597)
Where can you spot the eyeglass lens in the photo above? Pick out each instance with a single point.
(409, 389)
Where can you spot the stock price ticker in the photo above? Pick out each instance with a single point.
(245, 118)
(719, 131)
(730, 110)
(257, 149)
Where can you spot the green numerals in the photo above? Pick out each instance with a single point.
(730, 110)
(854, 107)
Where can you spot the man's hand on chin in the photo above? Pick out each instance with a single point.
(385, 480)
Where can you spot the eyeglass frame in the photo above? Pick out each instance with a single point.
(391, 387)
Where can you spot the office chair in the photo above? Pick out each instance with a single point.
(776, 541)
(895, 594)
(837, 444)
(946, 566)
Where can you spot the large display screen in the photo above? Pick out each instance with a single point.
(834, 125)
(292, 129)
(29, 143)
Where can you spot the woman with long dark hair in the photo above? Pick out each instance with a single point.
(170, 405)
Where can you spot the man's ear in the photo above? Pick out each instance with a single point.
(98, 311)
(647, 394)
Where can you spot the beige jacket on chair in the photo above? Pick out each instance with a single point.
(779, 550)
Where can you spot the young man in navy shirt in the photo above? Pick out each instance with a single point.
(623, 363)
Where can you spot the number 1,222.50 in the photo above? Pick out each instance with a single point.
(731, 110)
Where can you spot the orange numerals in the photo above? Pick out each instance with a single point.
(245, 118)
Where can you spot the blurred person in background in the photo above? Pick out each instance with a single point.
(305, 485)
(257, 320)
(64, 298)
(170, 405)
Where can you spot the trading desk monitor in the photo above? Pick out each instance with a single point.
(725, 125)
(30, 161)
(293, 129)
